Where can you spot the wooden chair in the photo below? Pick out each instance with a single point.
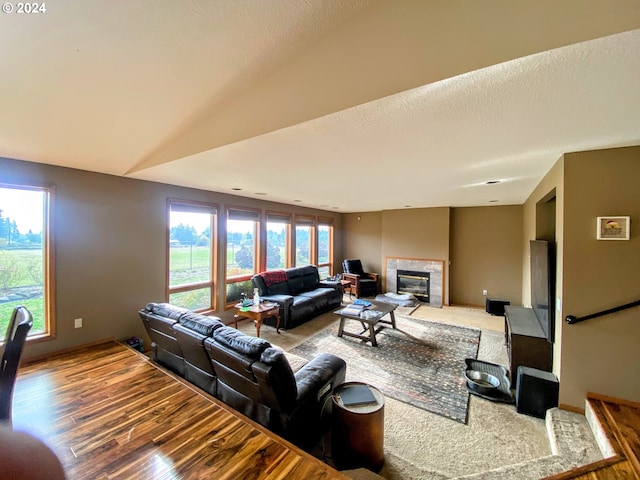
(19, 326)
(362, 283)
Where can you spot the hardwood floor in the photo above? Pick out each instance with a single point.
(108, 412)
(620, 423)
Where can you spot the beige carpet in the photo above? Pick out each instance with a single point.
(421, 445)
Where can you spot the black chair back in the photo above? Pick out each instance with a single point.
(19, 326)
(352, 266)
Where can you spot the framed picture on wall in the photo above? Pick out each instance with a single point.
(613, 228)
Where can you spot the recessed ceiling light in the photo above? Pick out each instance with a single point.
(407, 206)
(260, 193)
(494, 201)
(236, 188)
(297, 201)
(492, 182)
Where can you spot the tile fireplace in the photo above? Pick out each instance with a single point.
(423, 274)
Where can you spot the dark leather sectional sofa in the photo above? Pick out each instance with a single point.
(299, 292)
(247, 373)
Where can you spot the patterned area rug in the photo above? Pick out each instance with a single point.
(420, 363)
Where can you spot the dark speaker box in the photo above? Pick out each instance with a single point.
(495, 306)
(536, 391)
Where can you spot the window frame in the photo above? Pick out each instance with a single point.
(48, 253)
(325, 222)
(198, 207)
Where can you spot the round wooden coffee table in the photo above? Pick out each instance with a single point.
(357, 437)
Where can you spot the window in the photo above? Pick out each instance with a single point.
(278, 234)
(305, 241)
(325, 247)
(26, 276)
(191, 254)
(242, 251)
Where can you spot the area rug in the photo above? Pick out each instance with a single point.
(421, 363)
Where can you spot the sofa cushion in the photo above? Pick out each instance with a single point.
(199, 323)
(319, 293)
(166, 310)
(240, 342)
(280, 376)
(310, 277)
(296, 285)
(281, 288)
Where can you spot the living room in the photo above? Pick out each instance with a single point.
(111, 245)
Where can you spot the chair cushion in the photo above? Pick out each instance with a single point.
(240, 342)
(353, 266)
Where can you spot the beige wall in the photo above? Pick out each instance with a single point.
(599, 355)
(480, 259)
(486, 249)
(417, 233)
(552, 182)
(363, 239)
(599, 275)
(110, 248)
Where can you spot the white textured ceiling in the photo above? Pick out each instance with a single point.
(345, 106)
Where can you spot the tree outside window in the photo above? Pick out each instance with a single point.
(191, 255)
(305, 242)
(278, 232)
(325, 247)
(242, 251)
(25, 238)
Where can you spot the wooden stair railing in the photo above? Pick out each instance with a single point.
(620, 421)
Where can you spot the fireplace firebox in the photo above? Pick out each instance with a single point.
(413, 283)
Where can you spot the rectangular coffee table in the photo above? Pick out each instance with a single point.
(368, 324)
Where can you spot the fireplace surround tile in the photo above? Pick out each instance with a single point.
(434, 267)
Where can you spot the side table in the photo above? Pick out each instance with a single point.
(357, 437)
(257, 313)
(346, 285)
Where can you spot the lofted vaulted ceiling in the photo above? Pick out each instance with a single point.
(350, 106)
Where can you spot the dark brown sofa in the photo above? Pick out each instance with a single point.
(247, 373)
(299, 292)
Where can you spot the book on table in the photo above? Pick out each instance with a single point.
(350, 310)
(354, 395)
(361, 303)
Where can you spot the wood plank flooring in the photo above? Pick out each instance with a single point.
(620, 421)
(108, 412)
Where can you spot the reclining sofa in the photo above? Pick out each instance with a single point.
(247, 373)
(299, 292)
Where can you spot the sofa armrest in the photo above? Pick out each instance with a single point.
(354, 278)
(284, 301)
(312, 380)
(329, 284)
(373, 276)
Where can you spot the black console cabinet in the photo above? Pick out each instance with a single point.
(526, 342)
